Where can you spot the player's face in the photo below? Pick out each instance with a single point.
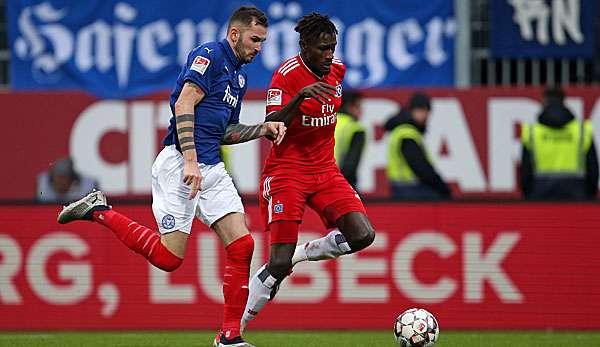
(319, 54)
(250, 42)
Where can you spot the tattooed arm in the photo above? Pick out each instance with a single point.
(238, 133)
(190, 96)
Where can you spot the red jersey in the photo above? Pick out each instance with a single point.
(309, 141)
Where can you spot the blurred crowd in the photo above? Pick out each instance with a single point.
(558, 162)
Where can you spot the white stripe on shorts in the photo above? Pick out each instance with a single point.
(267, 196)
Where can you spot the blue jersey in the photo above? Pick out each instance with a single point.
(216, 70)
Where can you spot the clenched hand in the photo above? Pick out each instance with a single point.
(274, 131)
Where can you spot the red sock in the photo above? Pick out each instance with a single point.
(235, 284)
(139, 239)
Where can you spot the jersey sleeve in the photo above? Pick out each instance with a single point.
(200, 67)
(278, 94)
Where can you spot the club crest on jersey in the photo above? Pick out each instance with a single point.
(338, 91)
(241, 81)
(168, 221)
(200, 64)
(278, 208)
(274, 97)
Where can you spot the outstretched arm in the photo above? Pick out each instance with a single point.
(238, 133)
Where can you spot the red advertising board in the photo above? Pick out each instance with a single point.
(517, 266)
(472, 136)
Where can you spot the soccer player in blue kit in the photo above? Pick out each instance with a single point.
(188, 176)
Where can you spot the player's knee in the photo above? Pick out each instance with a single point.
(362, 239)
(369, 237)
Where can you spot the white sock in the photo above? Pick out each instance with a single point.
(330, 246)
(260, 288)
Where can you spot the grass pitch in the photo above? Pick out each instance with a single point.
(296, 339)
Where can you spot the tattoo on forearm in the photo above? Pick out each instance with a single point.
(184, 130)
(186, 140)
(184, 118)
(238, 133)
(187, 147)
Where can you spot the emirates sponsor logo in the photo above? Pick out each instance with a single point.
(309, 121)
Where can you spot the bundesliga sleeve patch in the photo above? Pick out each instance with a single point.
(274, 97)
(200, 64)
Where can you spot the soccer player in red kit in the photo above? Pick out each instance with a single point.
(305, 93)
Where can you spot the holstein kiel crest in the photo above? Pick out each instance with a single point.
(168, 221)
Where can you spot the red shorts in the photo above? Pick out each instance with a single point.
(284, 196)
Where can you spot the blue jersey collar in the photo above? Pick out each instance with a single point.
(230, 54)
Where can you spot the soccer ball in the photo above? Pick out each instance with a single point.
(416, 328)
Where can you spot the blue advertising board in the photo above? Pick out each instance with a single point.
(543, 28)
(128, 48)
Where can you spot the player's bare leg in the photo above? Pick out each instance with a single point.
(176, 242)
(164, 252)
(239, 247)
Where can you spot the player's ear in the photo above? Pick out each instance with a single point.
(234, 33)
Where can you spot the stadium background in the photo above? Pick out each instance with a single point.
(485, 261)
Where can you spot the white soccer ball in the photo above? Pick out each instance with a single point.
(416, 328)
